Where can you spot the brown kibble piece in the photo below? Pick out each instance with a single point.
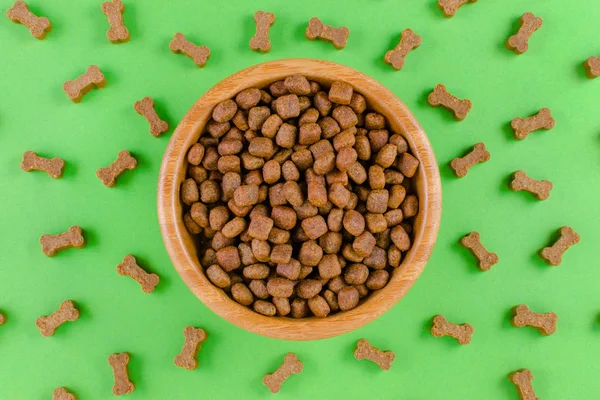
(290, 270)
(317, 30)
(540, 189)
(200, 54)
(545, 323)
(189, 192)
(288, 106)
(519, 42)
(310, 253)
(229, 258)
(260, 41)
(246, 195)
(340, 92)
(356, 274)
(280, 287)
(260, 227)
(265, 308)
(364, 350)
(125, 161)
(242, 294)
(248, 98)
(485, 258)
(291, 366)
(329, 266)
(377, 201)
(308, 288)
(314, 227)
(524, 126)
(461, 166)
(129, 267)
(400, 238)
(592, 67)
(193, 340)
(52, 244)
(66, 312)
(218, 277)
(224, 111)
(319, 306)
(122, 385)
(77, 88)
(114, 10)
(297, 84)
(145, 107)
(348, 298)
(377, 279)
(567, 238)
(408, 165)
(282, 305)
(38, 26)
(386, 156)
(441, 327)
(449, 7)
(440, 96)
(364, 244)
(32, 162)
(345, 117)
(408, 41)
(257, 117)
(62, 394)
(522, 379)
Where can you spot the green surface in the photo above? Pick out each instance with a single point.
(466, 53)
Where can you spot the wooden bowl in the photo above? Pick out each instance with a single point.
(182, 248)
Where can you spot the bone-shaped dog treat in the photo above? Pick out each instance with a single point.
(567, 238)
(440, 96)
(119, 362)
(291, 366)
(522, 379)
(318, 30)
(545, 323)
(519, 42)
(193, 339)
(524, 126)
(114, 9)
(62, 394)
(441, 327)
(129, 267)
(260, 41)
(77, 88)
(449, 7)
(32, 162)
(592, 67)
(66, 312)
(38, 26)
(145, 107)
(382, 358)
(52, 244)
(110, 174)
(540, 189)
(473, 242)
(461, 166)
(408, 41)
(200, 54)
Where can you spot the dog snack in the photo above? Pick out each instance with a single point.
(114, 9)
(522, 379)
(461, 166)
(32, 162)
(145, 107)
(540, 189)
(119, 362)
(450, 7)
(193, 339)
(77, 88)
(63, 394)
(473, 242)
(408, 41)
(382, 358)
(519, 42)
(291, 366)
(66, 312)
(38, 26)
(200, 54)
(592, 67)
(441, 327)
(567, 238)
(440, 96)
(524, 126)
(545, 323)
(260, 41)
(129, 267)
(125, 161)
(2, 319)
(318, 30)
(52, 244)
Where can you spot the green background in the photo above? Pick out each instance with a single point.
(466, 53)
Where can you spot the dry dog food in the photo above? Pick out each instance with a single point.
(461, 166)
(449, 7)
(592, 67)
(318, 30)
(125, 161)
(53, 167)
(38, 26)
(486, 259)
(52, 244)
(122, 385)
(524, 126)
(76, 89)
(364, 350)
(66, 312)
(540, 189)
(441, 97)
(567, 238)
(519, 42)
(408, 41)
(193, 339)
(145, 107)
(523, 381)
(200, 54)
(114, 9)
(291, 366)
(545, 323)
(260, 41)
(462, 333)
(130, 268)
(63, 394)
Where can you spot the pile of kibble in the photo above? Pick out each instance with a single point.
(300, 197)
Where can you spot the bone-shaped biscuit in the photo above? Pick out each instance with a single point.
(129, 267)
(408, 41)
(145, 107)
(486, 259)
(119, 362)
(318, 30)
(567, 238)
(63, 394)
(200, 54)
(440, 96)
(32, 162)
(524, 126)
(441, 327)
(77, 88)
(540, 189)
(38, 26)
(519, 42)
(193, 339)
(364, 350)
(545, 323)
(114, 9)
(52, 244)
(260, 41)
(592, 67)
(522, 379)
(125, 161)
(461, 166)
(66, 312)
(449, 7)
(291, 366)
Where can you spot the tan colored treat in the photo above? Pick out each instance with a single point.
(364, 350)
(66, 312)
(299, 85)
(288, 106)
(38, 26)
(193, 340)
(129, 267)
(449, 7)
(461, 166)
(329, 266)
(473, 242)
(145, 107)
(524, 126)
(319, 306)
(341, 92)
(545, 323)
(62, 394)
(125, 161)
(592, 67)
(122, 385)
(291, 366)
(567, 238)
(441, 327)
(317, 30)
(114, 10)
(52, 244)
(522, 379)
(408, 41)
(260, 41)
(242, 294)
(77, 88)
(200, 54)
(519, 42)
(32, 162)
(348, 298)
(265, 308)
(440, 96)
(540, 189)
(408, 165)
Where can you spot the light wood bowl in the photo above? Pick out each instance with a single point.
(182, 248)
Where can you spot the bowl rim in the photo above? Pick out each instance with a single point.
(182, 250)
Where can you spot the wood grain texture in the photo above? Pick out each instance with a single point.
(182, 248)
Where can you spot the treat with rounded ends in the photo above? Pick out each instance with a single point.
(62, 393)
(291, 366)
(486, 259)
(524, 126)
(317, 30)
(145, 107)
(540, 189)
(114, 10)
(193, 339)
(522, 379)
(364, 350)
(592, 67)
(38, 26)
(545, 323)
(408, 41)
(200, 54)
(32, 162)
(519, 42)
(76, 89)
(260, 41)
(129, 267)
(441, 327)
(441, 97)
(567, 238)
(449, 7)
(125, 161)
(66, 312)
(461, 166)
(52, 244)
(122, 385)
